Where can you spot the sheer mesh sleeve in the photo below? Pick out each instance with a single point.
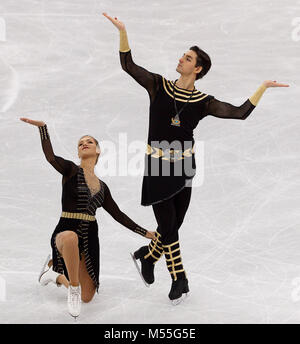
(148, 80)
(112, 208)
(221, 109)
(63, 166)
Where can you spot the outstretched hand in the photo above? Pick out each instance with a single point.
(31, 121)
(270, 83)
(117, 23)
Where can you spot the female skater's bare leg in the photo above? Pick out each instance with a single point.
(88, 288)
(67, 245)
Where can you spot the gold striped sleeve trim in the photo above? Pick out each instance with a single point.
(254, 99)
(140, 230)
(124, 45)
(44, 132)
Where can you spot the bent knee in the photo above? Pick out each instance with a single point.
(67, 237)
(87, 298)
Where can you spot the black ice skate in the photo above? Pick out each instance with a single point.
(147, 265)
(179, 291)
(180, 287)
(148, 256)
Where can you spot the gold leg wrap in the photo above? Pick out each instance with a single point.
(155, 248)
(173, 260)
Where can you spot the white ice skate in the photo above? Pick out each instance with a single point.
(74, 301)
(47, 274)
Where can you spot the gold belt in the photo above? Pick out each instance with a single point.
(169, 154)
(79, 216)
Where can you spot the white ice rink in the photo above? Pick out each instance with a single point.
(240, 241)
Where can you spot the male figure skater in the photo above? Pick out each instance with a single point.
(175, 110)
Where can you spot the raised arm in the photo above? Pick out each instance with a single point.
(148, 80)
(221, 109)
(61, 165)
(112, 208)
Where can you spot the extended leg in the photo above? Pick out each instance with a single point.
(166, 216)
(182, 202)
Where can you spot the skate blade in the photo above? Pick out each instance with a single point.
(43, 269)
(139, 270)
(180, 299)
(75, 317)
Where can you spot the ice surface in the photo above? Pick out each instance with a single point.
(240, 240)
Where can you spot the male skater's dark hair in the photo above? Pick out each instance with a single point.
(203, 60)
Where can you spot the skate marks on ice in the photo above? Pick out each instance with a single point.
(240, 233)
(9, 79)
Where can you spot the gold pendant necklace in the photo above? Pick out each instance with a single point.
(175, 121)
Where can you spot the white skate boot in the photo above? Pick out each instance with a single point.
(47, 274)
(74, 301)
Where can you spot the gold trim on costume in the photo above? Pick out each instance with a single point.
(181, 89)
(172, 154)
(180, 263)
(124, 45)
(44, 132)
(254, 99)
(195, 98)
(158, 152)
(170, 253)
(79, 216)
(173, 244)
(155, 246)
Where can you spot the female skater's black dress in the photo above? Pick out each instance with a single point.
(76, 201)
(170, 158)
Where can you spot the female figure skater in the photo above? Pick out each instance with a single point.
(175, 110)
(75, 243)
